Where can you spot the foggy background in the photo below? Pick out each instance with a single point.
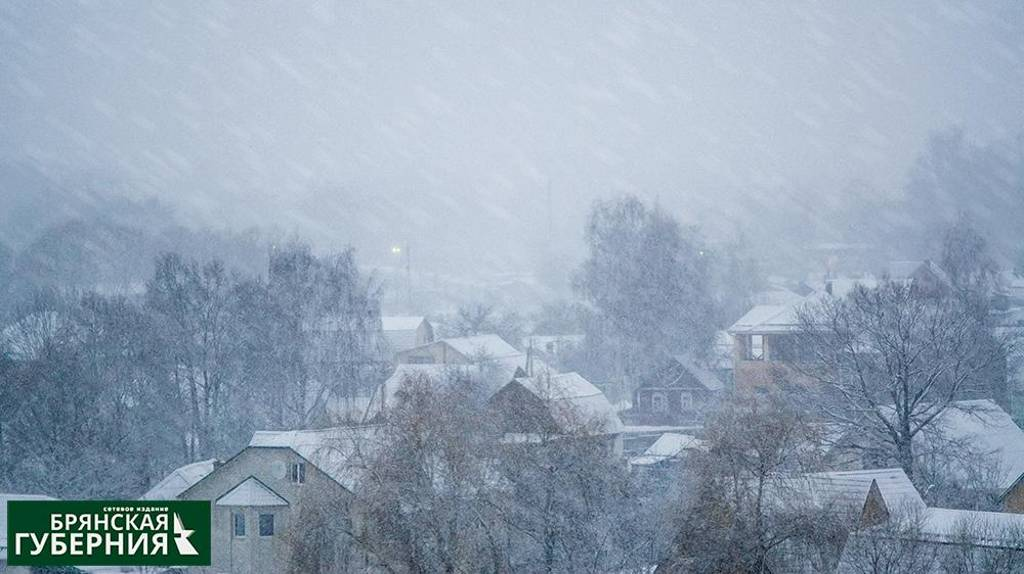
(476, 135)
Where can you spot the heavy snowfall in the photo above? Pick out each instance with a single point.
(526, 287)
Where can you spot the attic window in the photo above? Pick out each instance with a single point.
(297, 472)
(755, 348)
(658, 403)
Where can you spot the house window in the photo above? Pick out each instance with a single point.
(658, 403)
(238, 524)
(266, 525)
(686, 401)
(297, 472)
(755, 348)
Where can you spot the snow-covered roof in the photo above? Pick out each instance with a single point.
(709, 380)
(851, 487)
(401, 332)
(340, 452)
(847, 491)
(573, 400)
(401, 323)
(905, 270)
(492, 346)
(251, 492)
(4, 498)
(989, 431)
(767, 319)
(179, 480)
(667, 447)
(982, 528)
(384, 395)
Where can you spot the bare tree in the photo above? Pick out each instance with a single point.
(884, 363)
(737, 517)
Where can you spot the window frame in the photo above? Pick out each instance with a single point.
(297, 473)
(238, 519)
(261, 523)
(659, 402)
(762, 346)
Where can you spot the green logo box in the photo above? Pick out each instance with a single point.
(108, 533)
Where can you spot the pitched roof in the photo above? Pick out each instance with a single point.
(852, 487)
(986, 528)
(179, 480)
(384, 395)
(401, 323)
(251, 492)
(573, 400)
(340, 452)
(767, 319)
(682, 366)
(492, 346)
(400, 332)
(4, 498)
(990, 431)
(667, 447)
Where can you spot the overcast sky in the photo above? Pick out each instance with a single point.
(422, 115)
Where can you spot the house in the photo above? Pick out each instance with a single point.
(281, 487)
(848, 500)
(972, 448)
(490, 352)
(996, 450)
(4, 498)
(764, 341)
(387, 394)
(403, 333)
(939, 540)
(555, 405)
(680, 393)
(551, 348)
(925, 275)
(866, 496)
(670, 449)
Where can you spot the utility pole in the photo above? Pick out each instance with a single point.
(408, 277)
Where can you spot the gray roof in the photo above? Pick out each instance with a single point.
(179, 480)
(847, 491)
(340, 452)
(573, 400)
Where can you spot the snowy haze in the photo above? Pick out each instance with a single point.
(480, 132)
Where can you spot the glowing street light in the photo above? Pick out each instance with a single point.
(396, 250)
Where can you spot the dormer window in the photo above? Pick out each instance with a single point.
(297, 472)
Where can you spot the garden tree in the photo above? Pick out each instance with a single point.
(567, 502)
(483, 319)
(972, 270)
(192, 308)
(118, 350)
(733, 520)
(61, 433)
(646, 283)
(326, 334)
(426, 494)
(736, 276)
(884, 363)
(903, 545)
